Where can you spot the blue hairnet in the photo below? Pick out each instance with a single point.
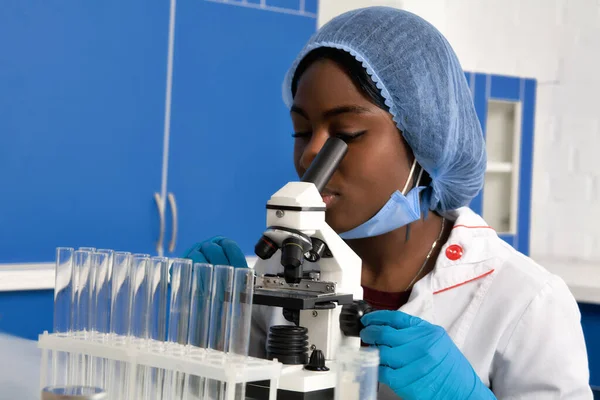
(425, 90)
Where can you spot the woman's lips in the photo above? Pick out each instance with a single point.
(329, 197)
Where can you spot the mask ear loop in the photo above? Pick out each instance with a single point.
(404, 190)
(410, 175)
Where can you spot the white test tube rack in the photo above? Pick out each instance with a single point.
(229, 368)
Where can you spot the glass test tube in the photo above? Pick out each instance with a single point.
(140, 304)
(63, 289)
(100, 312)
(218, 331)
(181, 283)
(140, 295)
(179, 313)
(241, 319)
(120, 312)
(82, 282)
(202, 275)
(220, 321)
(158, 277)
(80, 311)
(241, 313)
(102, 265)
(159, 280)
(120, 301)
(357, 373)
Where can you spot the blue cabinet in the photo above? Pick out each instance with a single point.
(230, 142)
(506, 108)
(81, 110)
(82, 118)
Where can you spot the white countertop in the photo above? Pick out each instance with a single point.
(582, 278)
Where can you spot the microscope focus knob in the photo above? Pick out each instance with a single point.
(350, 317)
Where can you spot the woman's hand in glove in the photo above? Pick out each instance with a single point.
(419, 360)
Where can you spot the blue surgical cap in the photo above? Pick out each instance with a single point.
(426, 92)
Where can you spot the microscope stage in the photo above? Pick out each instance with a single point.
(295, 300)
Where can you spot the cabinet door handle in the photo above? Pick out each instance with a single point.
(173, 205)
(161, 214)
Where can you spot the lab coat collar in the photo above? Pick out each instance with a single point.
(477, 244)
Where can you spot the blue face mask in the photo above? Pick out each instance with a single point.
(400, 210)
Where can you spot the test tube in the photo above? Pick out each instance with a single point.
(140, 304)
(100, 311)
(220, 321)
(181, 284)
(202, 275)
(158, 276)
(82, 282)
(357, 373)
(140, 295)
(102, 266)
(159, 280)
(120, 302)
(241, 317)
(241, 313)
(80, 311)
(120, 312)
(220, 308)
(179, 313)
(63, 289)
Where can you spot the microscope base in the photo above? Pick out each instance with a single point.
(296, 383)
(256, 391)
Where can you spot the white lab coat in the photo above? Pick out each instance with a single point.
(517, 324)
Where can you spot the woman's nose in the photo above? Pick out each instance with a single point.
(316, 142)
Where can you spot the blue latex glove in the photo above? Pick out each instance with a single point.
(419, 360)
(217, 251)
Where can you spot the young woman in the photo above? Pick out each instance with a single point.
(461, 314)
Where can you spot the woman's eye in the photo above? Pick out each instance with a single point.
(349, 137)
(301, 134)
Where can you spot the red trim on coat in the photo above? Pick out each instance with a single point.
(464, 283)
(472, 227)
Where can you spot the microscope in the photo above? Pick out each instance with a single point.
(317, 287)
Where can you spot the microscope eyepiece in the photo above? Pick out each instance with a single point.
(326, 162)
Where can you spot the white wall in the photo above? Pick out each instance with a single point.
(556, 42)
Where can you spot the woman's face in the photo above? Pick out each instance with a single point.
(326, 104)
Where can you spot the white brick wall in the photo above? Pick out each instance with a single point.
(556, 42)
